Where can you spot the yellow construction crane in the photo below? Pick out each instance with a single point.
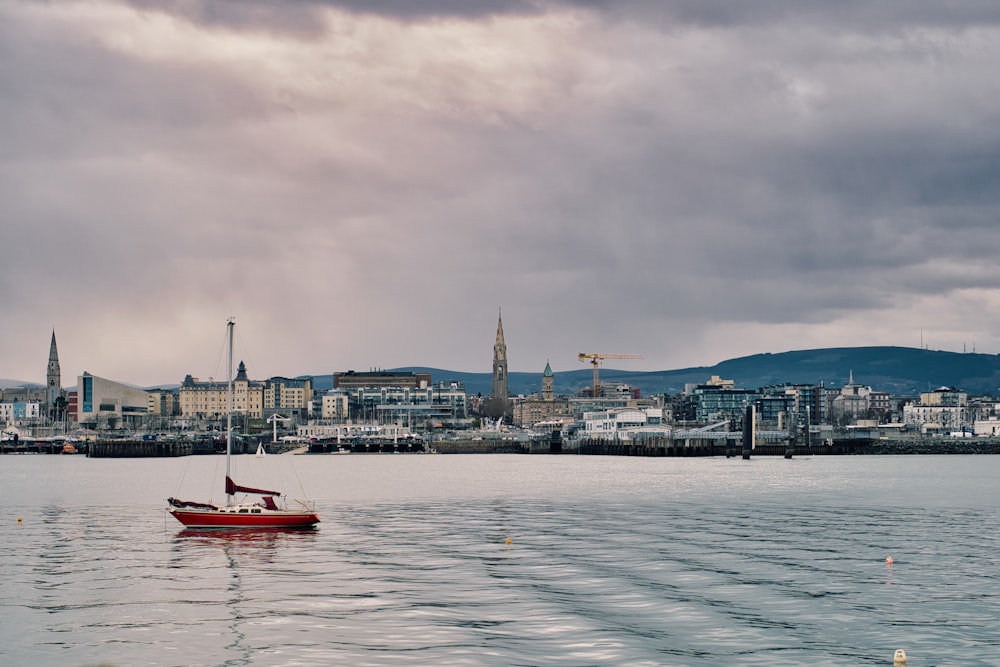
(595, 359)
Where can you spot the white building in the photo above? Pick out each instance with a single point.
(16, 412)
(943, 410)
(335, 405)
(106, 402)
(624, 423)
(935, 418)
(987, 427)
(397, 404)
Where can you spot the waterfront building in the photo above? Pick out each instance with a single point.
(252, 398)
(983, 408)
(335, 405)
(774, 409)
(946, 396)
(36, 393)
(528, 411)
(851, 403)
(801, 403)
(578, 405)
(811, 405)
(942, 410)
(987, 427)
(211, 399)
(353, 380)
(106, 403)
(880, 403)
(719, 401)
(411, 406)
(14, 413)
(163, 402)
(624, 423)
(288, 396)
(414, 406)
(73, 406)
(352, 433)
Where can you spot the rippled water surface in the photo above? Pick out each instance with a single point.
(508, 560)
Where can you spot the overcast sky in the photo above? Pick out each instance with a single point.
(365, 183)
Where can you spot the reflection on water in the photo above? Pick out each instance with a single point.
(248, 558)
(785, 568)
(229, 536)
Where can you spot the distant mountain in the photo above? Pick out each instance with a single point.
(12, 384)
(897, 370)
(900, 371)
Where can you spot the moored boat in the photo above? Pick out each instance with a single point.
(265, 513)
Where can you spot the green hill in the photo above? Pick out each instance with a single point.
(897, 370)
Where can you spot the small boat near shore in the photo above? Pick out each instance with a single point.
(264, 513)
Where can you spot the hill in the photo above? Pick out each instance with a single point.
(897, 370)
(11, 384)
(900, 371)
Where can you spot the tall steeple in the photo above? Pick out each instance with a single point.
(500, 390)
(548, 383)
(53, 378)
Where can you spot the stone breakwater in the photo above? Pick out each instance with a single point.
(934, 446)
(847, 447)
(126, 449)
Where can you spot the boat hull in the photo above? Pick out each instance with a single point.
(228, 518)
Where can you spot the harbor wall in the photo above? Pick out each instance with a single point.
(649, 447)
(116, 449)
(124, 449)
(848, 447)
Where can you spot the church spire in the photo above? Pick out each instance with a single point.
(500, 389)
(500, 347)
(53, 378)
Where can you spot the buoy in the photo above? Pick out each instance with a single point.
(508, 540)
(899, 657)
(888, 561)
(19, 519)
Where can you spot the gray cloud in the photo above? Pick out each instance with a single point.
(304, 15)
(365, 186)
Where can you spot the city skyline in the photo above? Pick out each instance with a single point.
(898, 370)
(366, 184)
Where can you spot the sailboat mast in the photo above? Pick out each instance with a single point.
(229, 410)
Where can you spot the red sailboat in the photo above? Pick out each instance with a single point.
(264, 513)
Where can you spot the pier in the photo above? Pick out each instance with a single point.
(117, 449)
(32, 447)
(670, 447)
(366, 446)
(646, 447)
(133, 449)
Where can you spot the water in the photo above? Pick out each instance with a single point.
(610, 561)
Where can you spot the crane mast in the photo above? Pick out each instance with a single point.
(595, 359)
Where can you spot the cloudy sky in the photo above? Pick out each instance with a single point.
(365, 183)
